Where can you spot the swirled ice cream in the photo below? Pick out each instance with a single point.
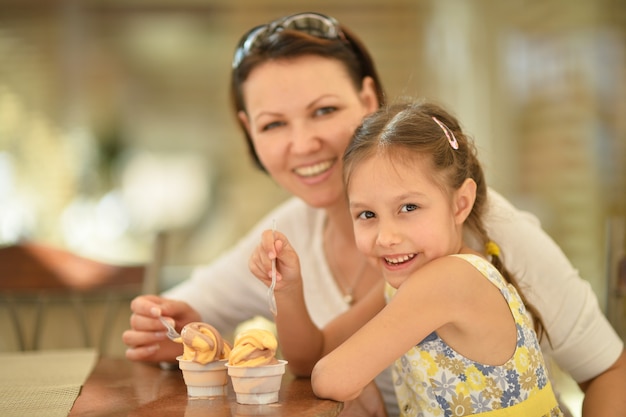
(254, 347)
(202, 343)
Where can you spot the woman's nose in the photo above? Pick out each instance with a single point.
(304, 139)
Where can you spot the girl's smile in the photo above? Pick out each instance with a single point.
(399, 260)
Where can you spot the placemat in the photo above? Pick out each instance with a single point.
(43, 383)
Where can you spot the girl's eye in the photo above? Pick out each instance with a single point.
(270, 126)
(325, 110)
(408, 207)
(364, 215)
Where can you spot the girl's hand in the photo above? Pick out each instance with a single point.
(275, 245)
(369, 404)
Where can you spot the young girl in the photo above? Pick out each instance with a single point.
(456, 329)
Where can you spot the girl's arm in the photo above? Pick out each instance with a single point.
(447, 295)
(302, 342)
(421, 305)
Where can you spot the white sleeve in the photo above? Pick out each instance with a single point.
(225, 292)
(583, 342)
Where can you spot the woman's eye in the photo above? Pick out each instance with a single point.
(366, 215)
(270, 126)
(408, 207)
(325, 110)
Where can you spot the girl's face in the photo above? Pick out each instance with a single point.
(402, 218)
(301, 114)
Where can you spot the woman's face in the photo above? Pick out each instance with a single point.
(301, 114)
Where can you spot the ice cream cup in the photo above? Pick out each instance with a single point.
(257, 384)
(207, 380)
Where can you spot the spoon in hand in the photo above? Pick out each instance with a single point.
(171, 331)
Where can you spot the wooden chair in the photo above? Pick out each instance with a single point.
(40, 274)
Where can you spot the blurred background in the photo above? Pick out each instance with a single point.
(116, 127)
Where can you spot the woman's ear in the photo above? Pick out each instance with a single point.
(368, 95)
(245, 122)
(464, 199)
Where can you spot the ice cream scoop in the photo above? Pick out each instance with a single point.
(254, 347)
(202, 343)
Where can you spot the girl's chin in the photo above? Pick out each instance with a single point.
(394, 282)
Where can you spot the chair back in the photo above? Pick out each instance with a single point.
(34, 275)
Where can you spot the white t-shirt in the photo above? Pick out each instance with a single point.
(584, 344)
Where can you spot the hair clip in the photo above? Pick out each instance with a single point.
(492, 248)
(451, 138)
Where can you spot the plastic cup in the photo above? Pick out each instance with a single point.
(207, 380)
(257, 384)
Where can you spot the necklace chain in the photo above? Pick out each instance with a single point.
(348, 297)
(348, 291)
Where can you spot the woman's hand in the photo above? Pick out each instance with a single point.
(275, 245)
(147, 339)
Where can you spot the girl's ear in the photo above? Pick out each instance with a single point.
(464, 199)
(243, 118)
(368, 95)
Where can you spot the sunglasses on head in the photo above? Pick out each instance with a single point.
(314, 24)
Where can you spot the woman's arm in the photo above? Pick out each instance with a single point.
(604, 394)
(221, 293)
(583, 342)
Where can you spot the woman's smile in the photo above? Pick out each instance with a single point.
(316, 169)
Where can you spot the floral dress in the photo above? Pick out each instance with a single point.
(432, 379)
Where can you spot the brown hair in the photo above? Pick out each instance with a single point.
(288, 44)
(403, 130)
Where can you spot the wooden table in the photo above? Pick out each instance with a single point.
(118, 387)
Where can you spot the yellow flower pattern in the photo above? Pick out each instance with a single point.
(432, 379)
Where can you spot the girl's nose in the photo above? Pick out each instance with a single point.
(387, 236)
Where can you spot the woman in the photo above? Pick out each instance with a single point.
(300, 87)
